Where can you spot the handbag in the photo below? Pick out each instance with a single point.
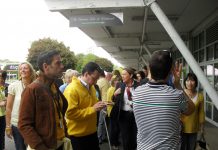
(202, 144)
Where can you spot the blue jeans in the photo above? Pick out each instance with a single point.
(18, 139)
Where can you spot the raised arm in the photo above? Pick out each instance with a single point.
(176, 74)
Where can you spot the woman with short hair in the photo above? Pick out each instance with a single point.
(194, 123)
(125, 116)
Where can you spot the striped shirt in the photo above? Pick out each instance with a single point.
(157, 109)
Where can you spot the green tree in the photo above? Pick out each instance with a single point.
(89, 57)
(46, 44)
(105, 64)
(79, 64)
(82, 60)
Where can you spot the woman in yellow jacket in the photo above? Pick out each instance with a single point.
(193, 123)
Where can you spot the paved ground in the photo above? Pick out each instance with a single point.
(211, 135)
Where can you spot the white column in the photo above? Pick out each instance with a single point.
(185, 52)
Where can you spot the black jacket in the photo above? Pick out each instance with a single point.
(119, 100)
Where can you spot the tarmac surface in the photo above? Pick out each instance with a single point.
(211, 135)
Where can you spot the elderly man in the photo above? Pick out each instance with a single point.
(43, 106)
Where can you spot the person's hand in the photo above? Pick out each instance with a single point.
(8, 132)
(3, 103)
(99, 105)
(177, 73)
(117, 92)
(109, 103)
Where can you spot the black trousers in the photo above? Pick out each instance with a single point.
(89, 142)
(2, 132)
(128, 130)
(114, 132)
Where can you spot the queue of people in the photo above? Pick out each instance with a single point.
(140, 108)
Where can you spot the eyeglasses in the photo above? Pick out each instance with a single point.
(138, 76)
(94, 78)
(167, 51)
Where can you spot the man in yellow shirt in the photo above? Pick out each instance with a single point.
(81, 113)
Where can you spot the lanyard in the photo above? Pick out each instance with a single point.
(56, 99)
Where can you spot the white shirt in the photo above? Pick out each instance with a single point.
(127, 103)
(16, 88)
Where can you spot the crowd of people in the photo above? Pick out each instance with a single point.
(144, 110)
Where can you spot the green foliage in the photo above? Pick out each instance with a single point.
(105, 64)
(82, 60)
(46, 44)
(79, 64)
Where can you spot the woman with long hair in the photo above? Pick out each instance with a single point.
(194, 123)
(26, 76)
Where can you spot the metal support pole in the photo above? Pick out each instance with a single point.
(105, 124)
(143, 30)
(143, 59)
(185, 52)
(147, 50)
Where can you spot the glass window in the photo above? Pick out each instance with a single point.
(201, 40)
(196, 56)
(216, 76)
(202, 67)
(196, 43)
(209, 73)
(215, 114)
(200, 87)
(201, 55)
(208, 98)
(216, 51)
(210, 53)
(184, 62)
(209, 110)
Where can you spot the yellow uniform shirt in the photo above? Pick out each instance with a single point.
(59, 127)
(81, 117)
(191, 122)
(110, 93)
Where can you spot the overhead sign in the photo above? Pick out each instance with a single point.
(95, 20)
(11, 67)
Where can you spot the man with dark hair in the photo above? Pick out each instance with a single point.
(157, 107)
(81, 113)
(43, 106)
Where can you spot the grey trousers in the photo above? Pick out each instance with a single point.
(101, 127)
